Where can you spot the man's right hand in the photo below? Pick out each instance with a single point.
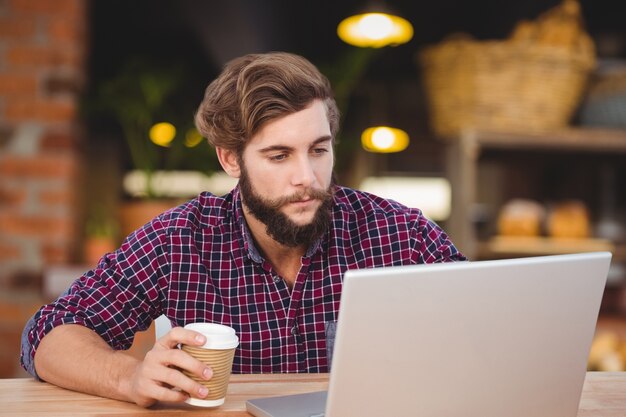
(75, 357)
(159, 376)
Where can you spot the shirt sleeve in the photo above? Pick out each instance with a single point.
(119, 297)
(432, 244)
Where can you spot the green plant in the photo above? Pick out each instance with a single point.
(143, 93)
(100, 223)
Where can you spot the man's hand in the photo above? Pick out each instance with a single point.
(159, 376)
(75, 357)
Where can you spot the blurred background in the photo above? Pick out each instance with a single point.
(505, 122)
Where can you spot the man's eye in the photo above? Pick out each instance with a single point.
(278, 157)
(320, 151)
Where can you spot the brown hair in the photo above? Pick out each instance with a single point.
(257, 88)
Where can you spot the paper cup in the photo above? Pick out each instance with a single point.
(217, 353)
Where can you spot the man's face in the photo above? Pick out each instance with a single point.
(286, 172)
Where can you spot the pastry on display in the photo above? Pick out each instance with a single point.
(521, 217)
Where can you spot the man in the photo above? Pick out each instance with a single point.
(266, 259)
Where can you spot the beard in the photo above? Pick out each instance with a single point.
(277, 224)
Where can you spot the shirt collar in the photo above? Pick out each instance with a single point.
(240, 220)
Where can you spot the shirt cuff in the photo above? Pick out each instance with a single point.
(27, 357)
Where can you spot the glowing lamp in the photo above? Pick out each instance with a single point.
(193, 138)
(375, 30)
(162, 134)
(383, 139)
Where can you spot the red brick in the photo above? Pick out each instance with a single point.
(55, 141)
(56, 197)
(63, 82)
(35, 226)
(20, 28)
(56, 254)
(12, 196)
(20, 55)
(17, 84)
(67, 30)
(26, 55)
(49, 7)
(44, 166)
(21, 110)
(6, 132)
(9, 252)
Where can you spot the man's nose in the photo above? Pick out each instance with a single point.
(304, 174)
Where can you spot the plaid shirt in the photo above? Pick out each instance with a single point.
(198, 262)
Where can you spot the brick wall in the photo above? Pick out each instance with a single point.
(42, 54)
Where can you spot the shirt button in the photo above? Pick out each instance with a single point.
(294, 330)
(276, 279)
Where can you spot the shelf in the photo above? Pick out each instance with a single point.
(503, 246)
(463, 156)
(579, 139)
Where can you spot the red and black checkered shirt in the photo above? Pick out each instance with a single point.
(197, 262)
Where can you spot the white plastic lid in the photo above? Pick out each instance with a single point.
(205, 403)
(217, 336)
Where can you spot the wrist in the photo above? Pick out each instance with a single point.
(127, 367)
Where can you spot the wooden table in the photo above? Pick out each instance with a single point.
(604, 395)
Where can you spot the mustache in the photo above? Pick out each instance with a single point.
(309, 193)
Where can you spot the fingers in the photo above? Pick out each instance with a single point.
(150, 393)
(180, 335)
(170, 395)
(155, 381)
(163, 366)
(175, 378)
(167, 366)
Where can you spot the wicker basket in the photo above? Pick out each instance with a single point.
(502, 85)
(531, 82)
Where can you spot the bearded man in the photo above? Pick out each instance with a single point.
(266, 259)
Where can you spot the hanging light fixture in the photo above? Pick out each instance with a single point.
(384, 139)
(162, 134)
(378, 27)
(375, 29)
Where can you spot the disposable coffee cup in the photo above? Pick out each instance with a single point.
(217, 353)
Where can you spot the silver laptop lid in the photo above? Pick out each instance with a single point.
(484, 339)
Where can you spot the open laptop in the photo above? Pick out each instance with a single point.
(474, 339)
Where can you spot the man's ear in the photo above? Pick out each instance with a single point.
(229, 161)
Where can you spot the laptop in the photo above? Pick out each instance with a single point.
(474, 339)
